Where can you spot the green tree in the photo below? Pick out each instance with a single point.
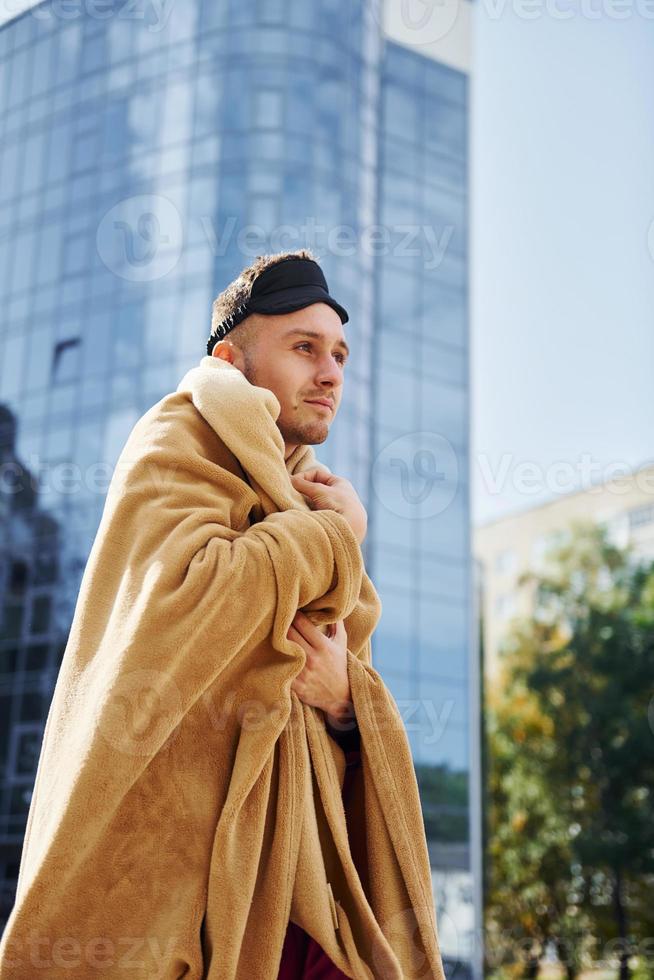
(532, 878)
(584, 662)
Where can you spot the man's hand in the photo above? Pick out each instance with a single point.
(323, 681)
(325, 491)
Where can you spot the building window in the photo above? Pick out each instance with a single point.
(505, 606)
(24, 751)
(40, 613)
(267, 113)
(271, 11)
(638, 516)
(505, 561)
(263, 213)
(544, 545)
(65, 363)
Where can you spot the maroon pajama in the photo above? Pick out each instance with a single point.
(302, 957)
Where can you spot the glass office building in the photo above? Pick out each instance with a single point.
(419, 476)
(146, 156)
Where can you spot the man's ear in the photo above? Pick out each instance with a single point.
(229, 352)
(222, 349)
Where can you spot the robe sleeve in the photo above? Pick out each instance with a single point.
(180, 561)
(189, 515)
(286, 561)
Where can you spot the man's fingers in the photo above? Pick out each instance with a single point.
(315, 476)
(308, 630)
(295, 635)
(307, 485)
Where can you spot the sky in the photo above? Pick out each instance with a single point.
(562, 276)
(12, 8)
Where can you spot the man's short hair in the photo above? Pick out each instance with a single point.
(238, 292)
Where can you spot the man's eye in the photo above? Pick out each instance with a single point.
(305, 343)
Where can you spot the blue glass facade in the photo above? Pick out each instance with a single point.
(419, 497)
(143, 164)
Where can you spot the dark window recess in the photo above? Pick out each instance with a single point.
(37, 656)
(19, 805)
(5, 721)
(66, 360)
(27, 753)
(12, 620)
(45, 564)
(18, 577)
(40, 617)
(8, 660)
(32, 707)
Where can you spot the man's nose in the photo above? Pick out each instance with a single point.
(328, 371)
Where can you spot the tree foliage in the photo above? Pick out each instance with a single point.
(571, 764)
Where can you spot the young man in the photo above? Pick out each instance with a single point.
(225, 788)
(296, 348)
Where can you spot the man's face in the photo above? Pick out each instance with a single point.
(300, 357)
